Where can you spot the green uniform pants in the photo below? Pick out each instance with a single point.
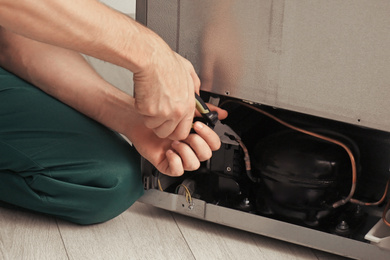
(57, 161)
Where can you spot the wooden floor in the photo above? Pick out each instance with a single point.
(142, 232)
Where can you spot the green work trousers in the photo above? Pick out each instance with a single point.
(56, 161)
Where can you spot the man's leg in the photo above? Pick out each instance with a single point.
(56, 161)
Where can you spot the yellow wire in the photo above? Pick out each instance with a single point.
(188, 193)
(159, 185)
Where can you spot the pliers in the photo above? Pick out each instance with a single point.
(210, 117)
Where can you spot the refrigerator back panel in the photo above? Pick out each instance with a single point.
(324, 58)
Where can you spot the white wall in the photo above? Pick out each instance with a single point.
(125, 6)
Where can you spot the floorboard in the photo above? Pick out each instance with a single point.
(25, 235)
(213, 241)
(142, 232)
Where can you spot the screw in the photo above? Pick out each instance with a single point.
(342, 226)
(246, 201)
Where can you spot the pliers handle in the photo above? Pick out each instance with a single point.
(211, 117)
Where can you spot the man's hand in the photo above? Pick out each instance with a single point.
(174, 157)
(164, 94)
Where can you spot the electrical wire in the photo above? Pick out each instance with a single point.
(187, 191)
(246, 155)
(247, 160)
(159, 185)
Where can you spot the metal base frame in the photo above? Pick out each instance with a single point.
(265, 226)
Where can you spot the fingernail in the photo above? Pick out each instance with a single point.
(169, 152)
(198, 126)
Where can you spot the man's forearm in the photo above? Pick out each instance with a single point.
(67, 76)
(86, 26)
(164, 82)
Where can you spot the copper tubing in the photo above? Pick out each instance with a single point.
(346, 148)
(373, 203)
